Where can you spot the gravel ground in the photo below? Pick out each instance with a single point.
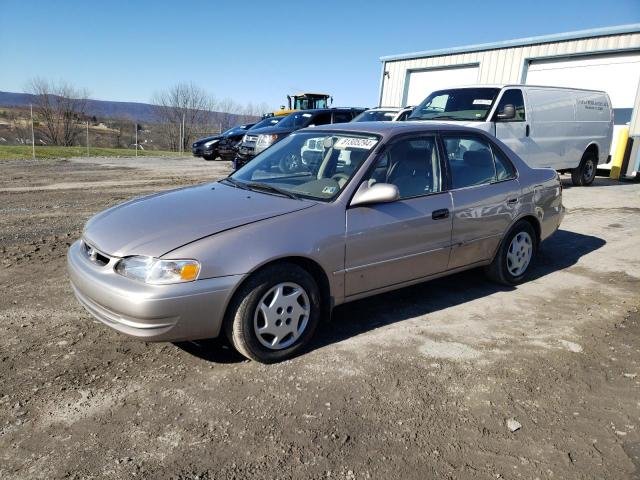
(456, 378)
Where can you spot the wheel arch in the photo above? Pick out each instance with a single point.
(309, 265)
(594, 148)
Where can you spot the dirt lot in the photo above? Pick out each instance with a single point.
(415, 384)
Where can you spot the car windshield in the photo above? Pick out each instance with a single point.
(376, 116)
(296, 120)
(315, 165)
(267, 122)
(471, 104)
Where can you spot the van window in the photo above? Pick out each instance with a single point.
(412, 165)
(513, 97)
(470, 161)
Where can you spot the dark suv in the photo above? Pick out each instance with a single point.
(212, 147)
(260, 139)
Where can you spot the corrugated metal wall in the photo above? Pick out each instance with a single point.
(505, 65)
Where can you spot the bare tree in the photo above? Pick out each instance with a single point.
(21, 127)
(183, 103)
(59, 107)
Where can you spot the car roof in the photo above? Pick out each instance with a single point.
(332, 109)
(391, 128)
(385, 109)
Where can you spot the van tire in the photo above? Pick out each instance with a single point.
(241, 317)
(499, 270)
(585, 173)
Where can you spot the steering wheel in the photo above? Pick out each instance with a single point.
(289, 163)
(340, 176)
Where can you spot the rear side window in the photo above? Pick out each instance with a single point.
(473, 161)
(504, 168)
(513, 97)
(322, 119)
(342, 117)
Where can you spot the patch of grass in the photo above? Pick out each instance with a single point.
(19, 152)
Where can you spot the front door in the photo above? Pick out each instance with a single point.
(514, 132)
(391, 243)
(485, 194)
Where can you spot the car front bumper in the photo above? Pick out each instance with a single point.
(184, 311)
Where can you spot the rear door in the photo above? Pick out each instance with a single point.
(391, 243)
(485, 194)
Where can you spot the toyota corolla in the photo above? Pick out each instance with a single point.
(264, 255)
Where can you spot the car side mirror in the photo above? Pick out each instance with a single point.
(507, 113)
(376, 193)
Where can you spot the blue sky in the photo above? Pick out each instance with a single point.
(258, 51)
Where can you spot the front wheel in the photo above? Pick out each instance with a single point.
(274, 314)
(514, 257)
(585, 173)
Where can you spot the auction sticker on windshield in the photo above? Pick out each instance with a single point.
(351, 142)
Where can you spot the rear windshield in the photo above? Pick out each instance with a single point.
(268, 122)
(296, 120)
(376, 116)
(471, 104)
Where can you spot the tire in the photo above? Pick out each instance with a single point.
(255, 307)
(585, 173)
(515, 255)
(210, 157)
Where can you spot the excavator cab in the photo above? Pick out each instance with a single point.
(306, 101)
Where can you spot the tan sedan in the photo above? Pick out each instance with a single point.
(326, 216)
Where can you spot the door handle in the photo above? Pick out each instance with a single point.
(526, 131)
(512, 201)
(440, 214)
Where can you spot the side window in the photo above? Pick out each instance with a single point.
(322, 119)
(341, 117)
(412, 165)
(504, 168)
(513, 97)
(470, 161)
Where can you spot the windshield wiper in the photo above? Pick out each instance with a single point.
(235, 183)
(271, 188)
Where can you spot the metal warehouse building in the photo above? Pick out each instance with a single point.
(601, 59)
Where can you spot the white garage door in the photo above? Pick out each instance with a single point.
(422, 82)
(618, 75)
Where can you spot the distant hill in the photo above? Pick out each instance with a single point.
(141, 112)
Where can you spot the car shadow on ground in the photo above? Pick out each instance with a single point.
(560, 251)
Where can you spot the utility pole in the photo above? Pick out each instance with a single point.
(33, 137)
(183, 134)
(136, 139)
(87, 138)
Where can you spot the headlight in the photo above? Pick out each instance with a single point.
(264, 142)
(158, 272)
(208, 144)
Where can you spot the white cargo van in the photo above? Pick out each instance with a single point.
(566, 129)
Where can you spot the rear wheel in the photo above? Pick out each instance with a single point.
(514, 257)
(585, 173)
(274, 314)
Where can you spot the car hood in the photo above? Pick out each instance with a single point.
(200, 141)
(482, 125)
(156, 224)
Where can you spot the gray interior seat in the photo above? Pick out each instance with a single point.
(475, 169)
(410, 172)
